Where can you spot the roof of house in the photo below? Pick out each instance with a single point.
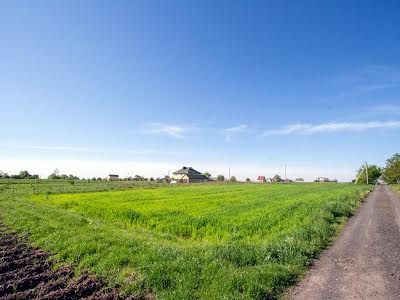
(112, 175)
(190, 172)
(261, 178)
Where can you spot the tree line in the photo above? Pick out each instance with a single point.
(389, 174)
(21, 175)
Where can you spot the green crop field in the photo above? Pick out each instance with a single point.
(210, 241)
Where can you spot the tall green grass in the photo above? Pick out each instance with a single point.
(233, 241)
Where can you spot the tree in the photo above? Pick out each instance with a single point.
(248, 180)
(138, 178)
(53, 176)
(277, 178)
(391, 172)
(151, 179)
(299, 179)
(4, 175)
(233, 179)
(220, 177)
(206, 174)
(374, 172)
(24, 174)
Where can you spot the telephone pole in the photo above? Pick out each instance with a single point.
(285, 173)
(366, 171)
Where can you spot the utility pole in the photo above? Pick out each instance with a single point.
(229, 177)
(359, 175)
(366, 171)
(285, 173)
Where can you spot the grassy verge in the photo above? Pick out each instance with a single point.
(243, 241)
(396, 188)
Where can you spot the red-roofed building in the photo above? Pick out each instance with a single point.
(261, 179)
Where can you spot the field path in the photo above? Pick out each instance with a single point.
(364, 261)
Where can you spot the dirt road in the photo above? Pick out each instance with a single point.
(364, 261)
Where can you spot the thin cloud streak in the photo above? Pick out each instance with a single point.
(369, 79)
(332, 127)
(172, 130)
(233, 130)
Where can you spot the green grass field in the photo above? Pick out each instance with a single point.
(211, 241)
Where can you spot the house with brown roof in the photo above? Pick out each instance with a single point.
(188, 175)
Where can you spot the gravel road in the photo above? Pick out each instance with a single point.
(364, 261)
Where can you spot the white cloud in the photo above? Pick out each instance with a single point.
(175, 131)
(331, 127)
(228, 132)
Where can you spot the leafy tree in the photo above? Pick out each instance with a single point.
(391, 173)
(4, 175)
(53, 176)
(220, 177)
(248, 180)
(374, 172)
(233, 179)
(24, 174)
(277, 178)
(206, 174)
(138, 178)
(151, 179)
(300, 179)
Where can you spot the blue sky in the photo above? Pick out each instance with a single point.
(92, 87)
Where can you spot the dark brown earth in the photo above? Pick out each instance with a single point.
(364, 261)
(27, 273)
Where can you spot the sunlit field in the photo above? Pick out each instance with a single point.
(210, 241)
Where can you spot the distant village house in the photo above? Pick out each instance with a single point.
(324, 179)
(112, 177)
(188, 175)
(261, 179)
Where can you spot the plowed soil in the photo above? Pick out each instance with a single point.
(27, 273)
